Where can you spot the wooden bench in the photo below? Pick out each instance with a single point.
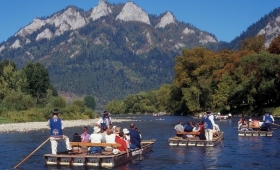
(187, 133)
(95, 144)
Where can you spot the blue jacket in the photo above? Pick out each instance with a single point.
(267, 118)
(135, 138)
(207, 122)
(55, 125)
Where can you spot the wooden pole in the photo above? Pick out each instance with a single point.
(31, 153)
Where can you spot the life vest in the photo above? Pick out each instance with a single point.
(207, 123)
(267, 118)
(105, 122)
(55, 125)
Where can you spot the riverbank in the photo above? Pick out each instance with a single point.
(28, 126)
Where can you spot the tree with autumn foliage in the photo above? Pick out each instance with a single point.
(274, 47)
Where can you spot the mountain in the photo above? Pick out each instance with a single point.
(269, 26)
(110, 51)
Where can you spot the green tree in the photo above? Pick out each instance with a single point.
(38, 80)
(90, 102)
(11, 79)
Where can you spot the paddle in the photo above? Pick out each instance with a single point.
(31, 153)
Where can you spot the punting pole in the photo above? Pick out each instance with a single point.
(31, 153)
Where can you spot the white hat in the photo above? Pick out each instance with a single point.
(250, 120)
(96, 129)
(125, 131)
(116, 151)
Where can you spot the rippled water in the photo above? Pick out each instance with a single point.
(234, 153)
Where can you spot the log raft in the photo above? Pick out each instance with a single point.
(178, 140)
(104, 159)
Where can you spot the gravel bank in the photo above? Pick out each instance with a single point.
(24, 127)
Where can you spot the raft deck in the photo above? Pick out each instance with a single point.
(104, 160)
(179, 141)
(255, 133)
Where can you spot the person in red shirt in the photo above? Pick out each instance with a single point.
(120, 140)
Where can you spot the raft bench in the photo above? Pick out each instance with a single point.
(95, 144)
(187, 133)
(77, 146)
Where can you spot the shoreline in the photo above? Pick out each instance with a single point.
(29, 126)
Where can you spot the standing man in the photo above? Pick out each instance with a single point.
(209, 125)
(105, 120)
(268, 120)
(135, 138)
(56, 125)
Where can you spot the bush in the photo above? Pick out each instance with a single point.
(17, 101)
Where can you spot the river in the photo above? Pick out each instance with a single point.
(234, 153)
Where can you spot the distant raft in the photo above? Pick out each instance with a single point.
(194, 141)
(104, 160)
(255, 133)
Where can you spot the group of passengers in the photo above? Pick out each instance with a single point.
(207, 128)
(256, 124)
(103, 132)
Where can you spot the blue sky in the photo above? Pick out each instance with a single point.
(226, 19)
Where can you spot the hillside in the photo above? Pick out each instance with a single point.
(109, 51)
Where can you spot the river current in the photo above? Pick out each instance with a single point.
(234, 153)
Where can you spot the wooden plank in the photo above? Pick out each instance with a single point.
(188, 133)
(95, 144)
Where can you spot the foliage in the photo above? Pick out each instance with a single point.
(90, 102)
(38, 81)
(274, 46)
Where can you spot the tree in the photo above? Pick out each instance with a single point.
(38, 80)
(274, 46)
(11, 79)
(255, 43)
(90, 102)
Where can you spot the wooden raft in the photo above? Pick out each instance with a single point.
(194, 141)
(98, 159)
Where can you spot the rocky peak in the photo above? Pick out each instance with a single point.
(102, 9)
(168, 18)
(29, 29)
(270, 31)
(70, 17)
(132, 12)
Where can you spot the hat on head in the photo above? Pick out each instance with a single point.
(55, 111)
(125, 131)
(96, 129)
(105, 113)
(208, 112)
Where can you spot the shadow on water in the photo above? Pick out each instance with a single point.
(236, 152)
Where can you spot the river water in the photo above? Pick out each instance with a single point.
(234, 153)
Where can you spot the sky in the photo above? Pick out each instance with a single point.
(226, 19)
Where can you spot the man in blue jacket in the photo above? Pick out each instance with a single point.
(135, 138)
(56, 133)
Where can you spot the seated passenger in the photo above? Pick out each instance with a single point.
(76, 138)
(188, 127)
(85, 135)
(110, 137)
(96, 137)
(120, 139)
(216, 130)
(242, 124)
